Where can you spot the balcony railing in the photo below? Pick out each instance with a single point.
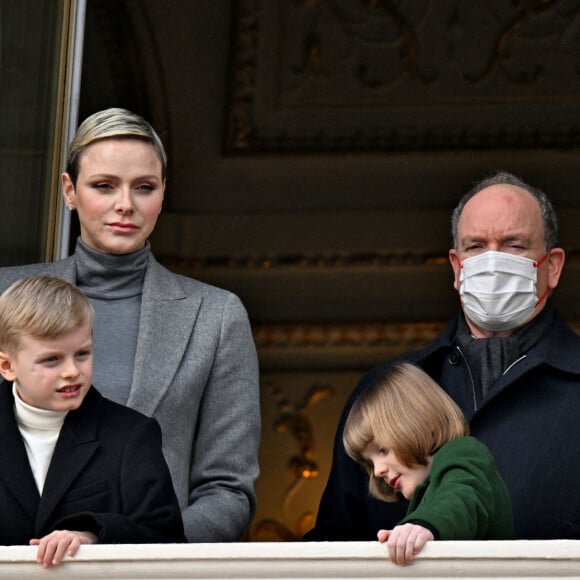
(316, 560)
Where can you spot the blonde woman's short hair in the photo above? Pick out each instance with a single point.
(406, 411)
(42, 307)
(112, 123)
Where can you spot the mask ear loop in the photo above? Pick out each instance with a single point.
(537, 265)
(542, 260)
(544, 296)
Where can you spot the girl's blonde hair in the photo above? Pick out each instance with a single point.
(42, 307)
(107, 124)
(406, 411)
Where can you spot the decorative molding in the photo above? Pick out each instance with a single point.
(306, 260)
(390, 335)
(320, 336)
(315, 260)
(336, 75)
(294, 419)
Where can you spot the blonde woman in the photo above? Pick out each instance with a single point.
(413, 441)
(167, 345)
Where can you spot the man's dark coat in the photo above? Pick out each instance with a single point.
(530, 420)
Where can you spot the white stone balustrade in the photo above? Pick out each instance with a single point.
(312, 561)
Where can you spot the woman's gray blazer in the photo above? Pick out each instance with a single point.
(196, 372)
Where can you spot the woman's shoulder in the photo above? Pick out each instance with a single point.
(21, 271)
(9, 274)
(169, 282)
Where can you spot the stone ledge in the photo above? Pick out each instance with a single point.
(310, 560)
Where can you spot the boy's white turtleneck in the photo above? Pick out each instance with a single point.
(40, 429)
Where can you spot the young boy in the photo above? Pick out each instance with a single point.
(75, 468)
(412, 440)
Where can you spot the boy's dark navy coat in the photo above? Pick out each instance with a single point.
(530, 420)
(107, 475)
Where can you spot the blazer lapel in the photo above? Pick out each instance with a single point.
(167, 320)
(14, 466)
(75, 448)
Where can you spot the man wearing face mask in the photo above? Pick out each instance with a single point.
(508, 360)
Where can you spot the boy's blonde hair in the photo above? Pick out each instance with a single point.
(42, 307)
(406, 411)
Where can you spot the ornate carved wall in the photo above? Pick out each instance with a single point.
(331, 75)
(317, 148)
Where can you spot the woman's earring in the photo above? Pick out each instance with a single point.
(68, 206)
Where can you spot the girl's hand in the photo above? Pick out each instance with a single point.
(404, 542)
(53, 546)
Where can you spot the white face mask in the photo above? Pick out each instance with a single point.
(498, 290)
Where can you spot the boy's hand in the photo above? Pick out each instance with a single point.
(405, 541)
(53, 546)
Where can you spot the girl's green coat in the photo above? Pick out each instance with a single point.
(464, 497)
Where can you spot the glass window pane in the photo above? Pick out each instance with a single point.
(31, 58)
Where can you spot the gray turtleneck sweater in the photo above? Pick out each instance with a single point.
(114, 284)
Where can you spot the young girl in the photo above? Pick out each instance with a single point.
(412, 440)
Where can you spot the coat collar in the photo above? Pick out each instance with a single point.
(76, 445)
(14, 465)
(166, 311)
(558, 348)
